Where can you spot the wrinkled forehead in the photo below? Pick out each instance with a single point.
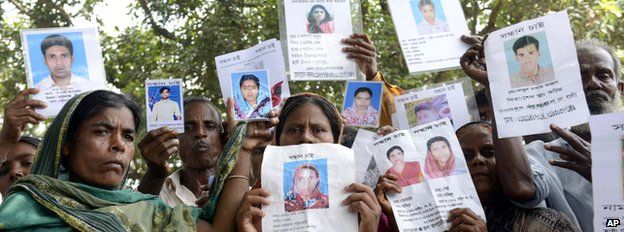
(595, 57)
(201, 111)
(474, 137)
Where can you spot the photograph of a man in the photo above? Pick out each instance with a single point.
(165, 109)
(58, 53)
(429, 18)
(526, 51)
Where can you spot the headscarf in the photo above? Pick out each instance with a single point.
(294, 201)
(432, 167)
(244, 110)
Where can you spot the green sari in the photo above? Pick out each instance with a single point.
(46, 201)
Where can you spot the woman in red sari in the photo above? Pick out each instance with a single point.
(408, 173)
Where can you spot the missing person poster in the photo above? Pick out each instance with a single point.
(362, 103)
(534, 69)
(264, 66)
(429, 33)
(432, 171)
(62, 63)
(307, 187)
(445, 101)
(164, 101)
(607, 144)
(366, 171)
(313, 30)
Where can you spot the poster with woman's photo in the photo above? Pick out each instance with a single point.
(264, 56)
(164, 104)
(430, 167)
(307, 187)
(607, 171)
(362, 103)
(418, 107)
(429, 33)
(252, 98)
(535, 71)
(366, 171)
(62, 63)
(312, 31)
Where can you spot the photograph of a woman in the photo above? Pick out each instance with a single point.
(440, 160)
(361, 111)
(305, 191)
(251, 98)
(320, 21)
(408, 173)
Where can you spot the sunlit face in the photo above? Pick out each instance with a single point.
(306, 124)
(478, 148)
(19, 161)
(528, 57)
(59, 61)
(164, 94)
(428, 12)
(306, 181)
(103, 148)
(362, 100)
(440, 151)
(319, 14)
(200, 144)
(396, 157)
(427, 115)
(249, 90)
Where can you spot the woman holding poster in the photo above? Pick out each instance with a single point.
(320, 21)
(440, 160)
(305, 192)
(408, 173)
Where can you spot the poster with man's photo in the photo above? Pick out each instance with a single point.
(534, 69)
(307, 187)
(362, 103)
(429, 33)
(164, 104)
(448, 100)
(431, 169)
(62, 63)
(312, 31)
(264, 56)
(607, 132)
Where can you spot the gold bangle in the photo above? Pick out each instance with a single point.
(230, 177)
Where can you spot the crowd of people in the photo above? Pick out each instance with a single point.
(73, 177)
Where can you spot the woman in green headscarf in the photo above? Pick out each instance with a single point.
(83, 162)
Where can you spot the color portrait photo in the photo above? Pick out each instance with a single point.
(164, 104)
(305, 185)
(362, 103)
(528, 60)
(427, 110)
(429, 16)
(252, 98)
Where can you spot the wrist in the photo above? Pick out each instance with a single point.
(155, 171)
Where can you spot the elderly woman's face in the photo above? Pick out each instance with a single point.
(306, 181)
(319, 14)
(478, 148)
(440, 151)
(102, 149)
(249, 90)
(307, 124)
(396, 157)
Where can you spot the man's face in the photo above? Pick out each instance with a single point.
(59, 61)
(19, 161)
(362, 100)
(249, 90)
(427, 115)
(528, 57)
(164, 94)
(200, 145)
(599, 80)
(428, 12)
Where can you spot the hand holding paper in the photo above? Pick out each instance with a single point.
(249, 215)
(463, 219)
(19, 112)
(363, 201)
(577, 157)
(362, 50)
(258, 134)
(473, 61)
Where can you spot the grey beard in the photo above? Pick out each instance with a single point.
(599, 102)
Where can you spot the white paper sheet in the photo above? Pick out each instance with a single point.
(607, 145)
(535, 85)
(82, 64)
(429, 44)
(284, 167)
(164, 104)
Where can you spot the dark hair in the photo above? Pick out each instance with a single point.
(481, 98)
(348, 136)
(311, 19)
(392, 149)
(592, 44)
(249, 77)
(425, 3)
(294, 102)
(203, 100)
(437, 139)
(423, 106)
(163, 89)
(523, 42)
(30, 140)
(473, 125)
(363, 89)
(95, 103)
(56, 40)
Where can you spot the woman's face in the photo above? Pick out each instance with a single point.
(440, 151)
(428, 12)
(396, 157)
(478, 148)
(249, 90)
(307, 124)
(18, 164)
(102, 149)
(319, 14)
(306, 181)
(362, 100)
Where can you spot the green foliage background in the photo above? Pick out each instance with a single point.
(180, 38)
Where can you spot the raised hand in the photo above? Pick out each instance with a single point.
(363, 52)
(363, 201)
(473, 60)
(249, 215)
(577, 157)
(463, 219)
